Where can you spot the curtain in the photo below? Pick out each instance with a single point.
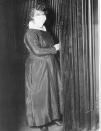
(80, 91)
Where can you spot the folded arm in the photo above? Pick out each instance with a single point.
(33, 44)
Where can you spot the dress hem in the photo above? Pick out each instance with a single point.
(46, 124)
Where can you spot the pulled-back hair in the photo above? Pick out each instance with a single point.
(38, 6)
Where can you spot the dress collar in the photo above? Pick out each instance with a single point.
(31, 25)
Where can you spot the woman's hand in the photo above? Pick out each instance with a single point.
(57, 46)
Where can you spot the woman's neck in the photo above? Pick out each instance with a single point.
(35, 26)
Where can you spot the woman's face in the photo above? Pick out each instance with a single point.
(39, 18)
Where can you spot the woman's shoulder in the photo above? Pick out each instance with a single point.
(32, 33)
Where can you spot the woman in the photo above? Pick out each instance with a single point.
(42, 73)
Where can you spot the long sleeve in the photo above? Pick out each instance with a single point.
(33, 43)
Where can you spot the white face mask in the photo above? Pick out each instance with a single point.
(39, 18)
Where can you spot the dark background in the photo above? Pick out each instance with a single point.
(12, 107)
(11, 68)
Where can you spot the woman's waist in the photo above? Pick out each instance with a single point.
(32, 56)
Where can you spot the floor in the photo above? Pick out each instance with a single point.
(52, 128)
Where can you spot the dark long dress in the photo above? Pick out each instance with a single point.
(42, 79)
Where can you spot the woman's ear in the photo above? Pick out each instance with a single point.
(32, 12)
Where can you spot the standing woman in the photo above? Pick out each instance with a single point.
(42, 74)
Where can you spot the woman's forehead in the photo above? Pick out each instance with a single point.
(38, 12)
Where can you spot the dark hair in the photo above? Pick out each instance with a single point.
(38, 6)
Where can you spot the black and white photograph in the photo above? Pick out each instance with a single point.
(49, 65)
